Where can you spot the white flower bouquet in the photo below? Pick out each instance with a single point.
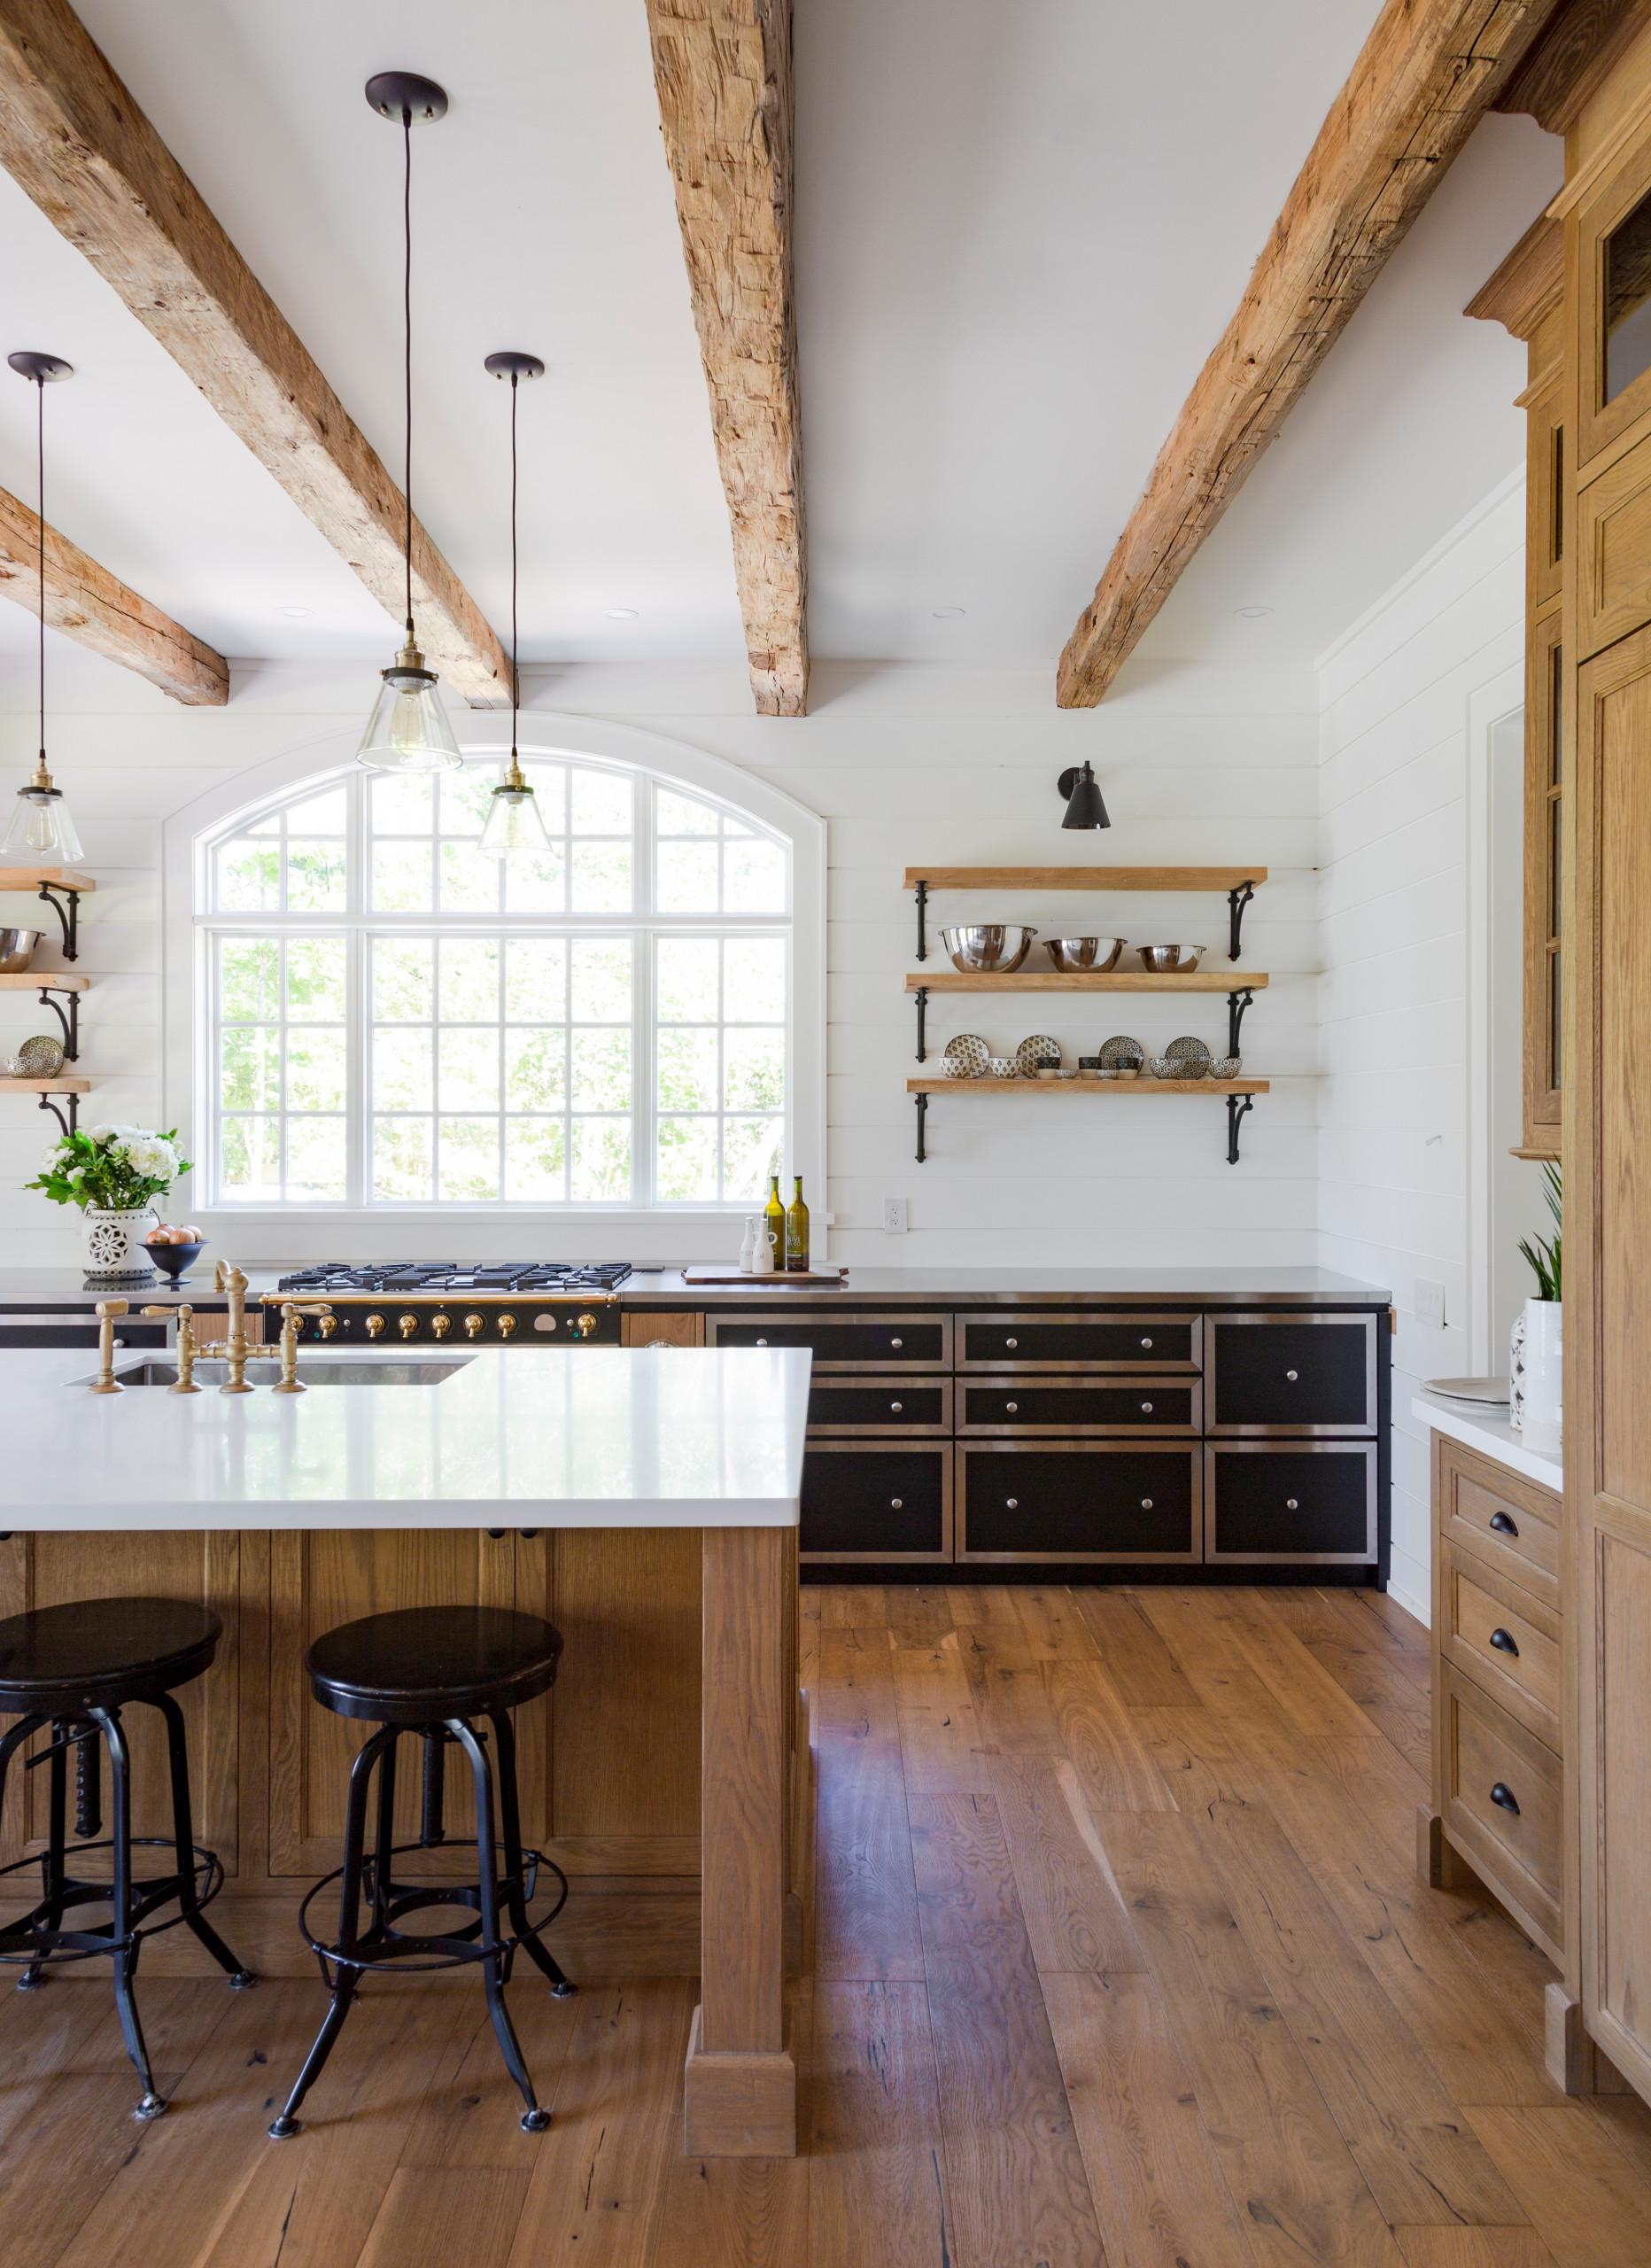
(110, 1168)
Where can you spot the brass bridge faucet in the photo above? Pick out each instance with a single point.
(231, 1282)
(187, 1350)
(291, 1315)
(106, 1381)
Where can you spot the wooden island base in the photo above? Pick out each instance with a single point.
(618, 1764)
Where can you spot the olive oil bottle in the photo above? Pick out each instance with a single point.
(774, 1222)
(797, 1233)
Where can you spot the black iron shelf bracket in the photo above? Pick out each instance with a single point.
(922, 1102)
(1237, 901)
(1237, 1105)
(1236, 1003)
(68, 916)
(922, 896)
(73, 1102)
(69, 1018)
(921, 997)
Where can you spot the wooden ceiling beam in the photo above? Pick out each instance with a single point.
(73, 137)
(1427, 71)
(722, 72)
(95, 608)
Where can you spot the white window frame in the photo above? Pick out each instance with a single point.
(495, 1229)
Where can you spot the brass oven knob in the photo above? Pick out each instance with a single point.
(472, 1324)
(440, 1325)
(407, 1325)
(327, 1325)
(584, 1326)
(374, 1326)
(506, 1325)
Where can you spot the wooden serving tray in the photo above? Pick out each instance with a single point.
(729, 1271)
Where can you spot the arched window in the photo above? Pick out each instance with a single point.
(389, 1022)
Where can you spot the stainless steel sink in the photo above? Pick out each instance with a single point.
(264, 1370)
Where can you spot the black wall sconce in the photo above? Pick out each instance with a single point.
(1084, 807)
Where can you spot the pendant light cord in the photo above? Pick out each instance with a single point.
(515, 672)
(40, 493)
(407, 323)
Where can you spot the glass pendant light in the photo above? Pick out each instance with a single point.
(514, 822)
(408, 729)
(41, 833)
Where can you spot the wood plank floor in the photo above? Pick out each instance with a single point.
(1117, 1955)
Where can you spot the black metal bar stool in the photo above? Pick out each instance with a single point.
(72, 1669)
(428, 1671)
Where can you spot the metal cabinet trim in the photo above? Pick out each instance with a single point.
(932, 1319)
(941, 1450)
(1294, 1445)
(1111, 1381)
(1217, 1431)
(898, 1429)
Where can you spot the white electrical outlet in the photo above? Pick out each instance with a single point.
(1429, 1302)
(894, 1217)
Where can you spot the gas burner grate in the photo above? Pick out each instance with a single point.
(441, 1278)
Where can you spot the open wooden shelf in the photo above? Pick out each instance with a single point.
(65, 1083)
(1056, 980)
(31, 878)
(45, 979)
(1142, 878)
(990, 1086)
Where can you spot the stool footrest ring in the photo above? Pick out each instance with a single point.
(380, 1944)
(31, 1942)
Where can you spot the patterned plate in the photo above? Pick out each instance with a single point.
(39, 1059)
(966, 1056)
(1031, 1054)
(1122, 1054)
(1195, 1048)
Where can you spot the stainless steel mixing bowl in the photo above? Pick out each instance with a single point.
(1076, 956)
(16, 950)
(1170, 961)
(987, 949)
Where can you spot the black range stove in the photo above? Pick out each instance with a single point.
(533, 1303)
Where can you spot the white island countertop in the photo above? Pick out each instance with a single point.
(568, 1437)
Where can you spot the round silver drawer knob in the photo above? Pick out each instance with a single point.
(1146, 1342)
(1012, 1344)
(1013, 1502)
(896, 1343)
(1146, 1503)
(1292, 1376)
(1292, 1503)
(896, 1504)
(761, 1342)
(896, 1406)
(1011, 1407)
(1146, 1410)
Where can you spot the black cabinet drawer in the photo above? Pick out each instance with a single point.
(1010, 1403)
(1024, 1501)
(843, 1342)
(892, 1405)
(1022, 1340)
(1316, 1503)
(1292, 1374)
(876, 1503)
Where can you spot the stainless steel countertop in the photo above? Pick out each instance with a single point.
(664, 1287)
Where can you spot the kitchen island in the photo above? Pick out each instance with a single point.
(644, 1501)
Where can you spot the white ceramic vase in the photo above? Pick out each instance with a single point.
(114, 1248)
(1541, 1417)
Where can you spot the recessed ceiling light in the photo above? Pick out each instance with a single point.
(621, 613)
(296, 613)
(948, 613)
(1252, 613)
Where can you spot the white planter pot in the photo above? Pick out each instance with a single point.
(1541, 1387)
(115, 1247)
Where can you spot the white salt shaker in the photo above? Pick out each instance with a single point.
(749, 1244)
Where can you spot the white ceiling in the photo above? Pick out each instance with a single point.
(1019, 231)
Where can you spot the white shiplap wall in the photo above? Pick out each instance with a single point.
(1199, 765)
(1393, 1147)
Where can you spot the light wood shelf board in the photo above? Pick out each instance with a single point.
(66, 1084)
(31, 877)
(45, 979)
(989, 1086)
(1054, 980)
(1137, 878)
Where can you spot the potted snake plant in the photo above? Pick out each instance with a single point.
(1536, 1400)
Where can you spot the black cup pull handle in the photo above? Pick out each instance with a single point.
(1503, 1642)
(1503, 1795)
(1502, 1525)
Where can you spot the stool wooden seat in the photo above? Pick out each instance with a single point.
(428, 1672)
(70, 1670)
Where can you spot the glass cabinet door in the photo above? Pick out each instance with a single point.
(1613, 309)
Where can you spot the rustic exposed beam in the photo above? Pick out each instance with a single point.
(722, 70)
(73, 137)
(95, 608)
(1427, 71)
(1527, 283)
